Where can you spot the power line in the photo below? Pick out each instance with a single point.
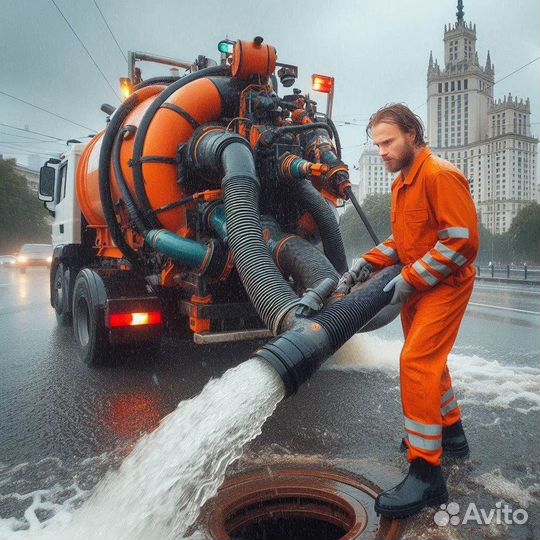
(28, 139)
(110, 31)
(86, 50)
(45, 110)
(42, 134)
(515, 71)
(31, 141)
(27, 152)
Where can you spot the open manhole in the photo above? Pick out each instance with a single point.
(296, 504)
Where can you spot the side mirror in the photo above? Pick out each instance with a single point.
(47, 176)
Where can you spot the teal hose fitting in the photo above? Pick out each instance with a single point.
(218, 222)
(183, 250)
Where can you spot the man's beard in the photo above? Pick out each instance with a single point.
(403, 162)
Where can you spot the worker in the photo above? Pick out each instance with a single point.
(435, 237)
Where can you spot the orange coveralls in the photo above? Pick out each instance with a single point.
(435, 236)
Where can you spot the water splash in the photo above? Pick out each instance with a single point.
(479, 381)
(160, 487)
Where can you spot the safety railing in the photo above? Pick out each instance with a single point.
(509, 271)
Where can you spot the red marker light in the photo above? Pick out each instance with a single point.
(322, 83)
(118, 320)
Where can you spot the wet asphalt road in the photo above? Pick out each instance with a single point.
(62, 422)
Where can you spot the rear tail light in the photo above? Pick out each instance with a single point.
(145, 318)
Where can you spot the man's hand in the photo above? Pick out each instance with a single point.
(401, 289)
(359, 272)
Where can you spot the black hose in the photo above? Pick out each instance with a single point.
(104, 178)
(156, 80)
(301, 128)
(345, 317)
(298, 353)
(335, 133)
(151, 221)
(298, 258)
(229, 155)
(327, 224)
(269, 292)
(133, 210)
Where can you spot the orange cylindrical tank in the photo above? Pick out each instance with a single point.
(253, 58)
(88, 168)
(201, 100)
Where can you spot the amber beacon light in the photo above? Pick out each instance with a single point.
(324, 84)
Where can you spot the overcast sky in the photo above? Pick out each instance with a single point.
(377, 51)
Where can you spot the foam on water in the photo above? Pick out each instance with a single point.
(478, 380)
(495, 483)
(160, 487)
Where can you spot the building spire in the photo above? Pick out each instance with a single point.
(460, 11)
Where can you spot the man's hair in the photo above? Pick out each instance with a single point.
(400, 115)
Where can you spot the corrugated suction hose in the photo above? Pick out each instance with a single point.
(326, 222)
(298, 353)
(219, 152)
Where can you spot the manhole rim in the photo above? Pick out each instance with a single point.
(232, 494)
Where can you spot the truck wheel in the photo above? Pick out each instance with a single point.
(58, 292)
(88, 326)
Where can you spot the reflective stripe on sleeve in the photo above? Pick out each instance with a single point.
(424, 444)
(389, 252)
(454, 232)
(430, 279)
(436, 265)
(424, 429)
(447, 396)
(454, 256)
(450, 407)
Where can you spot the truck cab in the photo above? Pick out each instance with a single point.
(57, 189)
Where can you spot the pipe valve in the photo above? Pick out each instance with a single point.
(313, 299)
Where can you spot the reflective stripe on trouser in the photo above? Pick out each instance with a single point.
(423, 436)
(431, 322)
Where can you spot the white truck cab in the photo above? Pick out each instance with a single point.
(58, 191)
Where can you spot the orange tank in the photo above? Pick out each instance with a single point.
(253, 58)
(201, 100)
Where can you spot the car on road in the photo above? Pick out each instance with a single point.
(8, 261)
(34, 255)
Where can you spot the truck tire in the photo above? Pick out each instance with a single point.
(88, 323)
(58, 297)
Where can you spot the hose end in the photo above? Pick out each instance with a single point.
(297, 354)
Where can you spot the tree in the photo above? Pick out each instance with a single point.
(486, 251)
(524, 233)
(22, 215)
(355, 236)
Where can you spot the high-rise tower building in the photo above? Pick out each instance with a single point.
(489, 140)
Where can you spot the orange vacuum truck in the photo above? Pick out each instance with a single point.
(207, 208)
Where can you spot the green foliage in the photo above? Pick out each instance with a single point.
(22, 215)
(355, 235)
(524, 233)
(521, 242)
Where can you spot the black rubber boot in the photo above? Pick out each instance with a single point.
(423, 486)
(454, 441)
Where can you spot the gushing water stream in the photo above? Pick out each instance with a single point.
(160, 487)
